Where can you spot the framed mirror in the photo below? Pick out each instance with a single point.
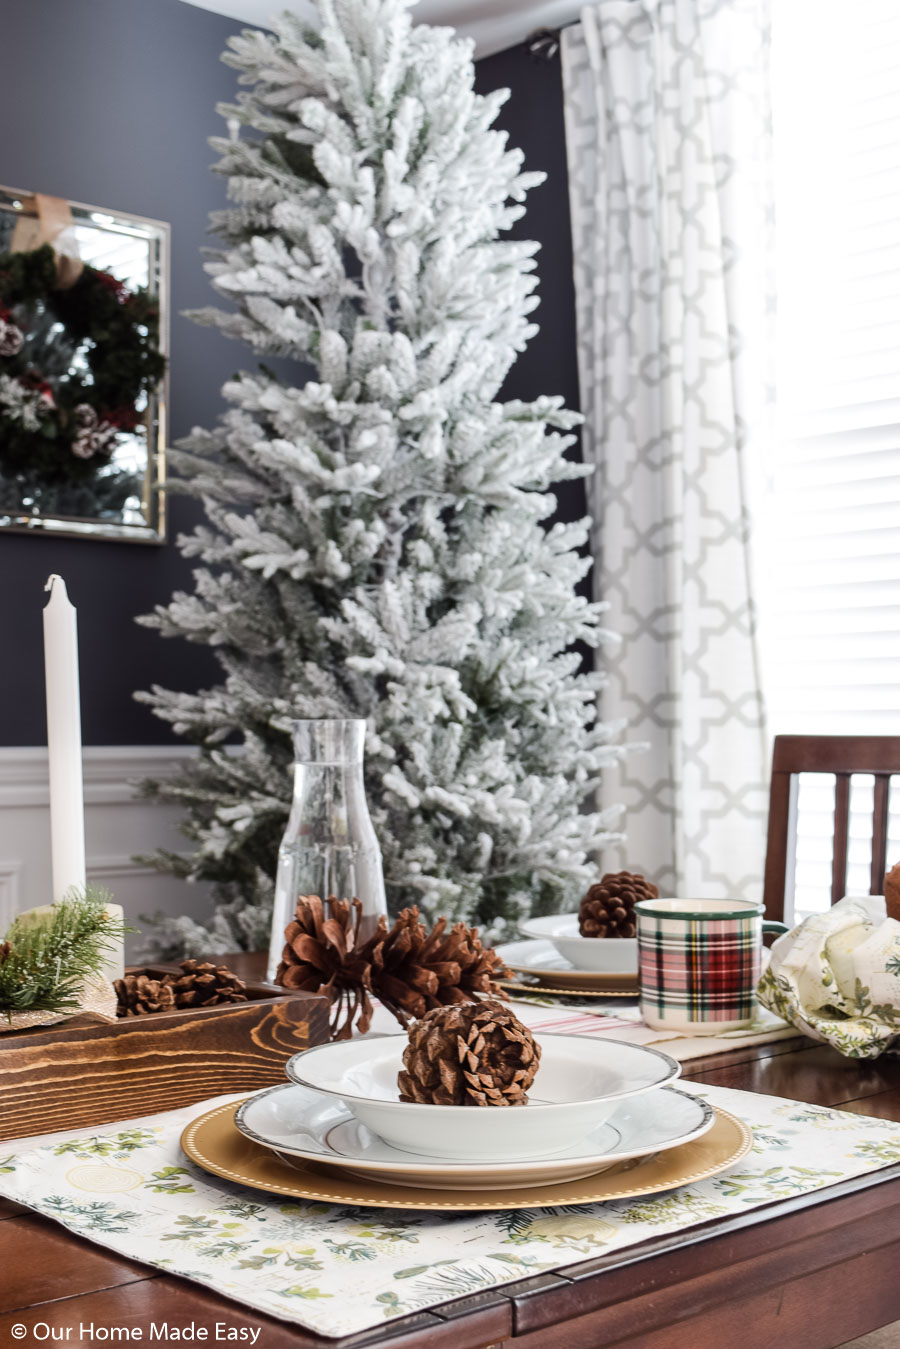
(84, 317)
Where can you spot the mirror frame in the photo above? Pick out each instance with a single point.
(153, 494)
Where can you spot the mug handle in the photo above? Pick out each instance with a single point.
(772, 925)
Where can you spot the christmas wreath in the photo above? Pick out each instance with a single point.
(76, 363)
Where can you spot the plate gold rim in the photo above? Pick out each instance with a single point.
(581, 981)
(549, 990)
(317, 1182)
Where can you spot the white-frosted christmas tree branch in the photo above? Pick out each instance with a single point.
(376, 540)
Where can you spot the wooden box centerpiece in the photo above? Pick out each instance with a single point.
(78, 1072)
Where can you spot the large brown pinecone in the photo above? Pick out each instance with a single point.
(321, 955)
(607, 909)
(474, 1053)
(139, 995)
(413, 970)
(202, 984)
(409, 969)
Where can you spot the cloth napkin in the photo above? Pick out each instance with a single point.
(836, 977)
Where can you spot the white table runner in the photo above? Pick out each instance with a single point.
(338, 1270)
(622, 1021)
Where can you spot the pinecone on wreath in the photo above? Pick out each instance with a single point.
(139, 995)
(607, 909)
(202, 984)
(477, 1053)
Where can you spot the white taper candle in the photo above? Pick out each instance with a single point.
(64, 740)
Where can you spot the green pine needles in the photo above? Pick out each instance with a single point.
(47, 956)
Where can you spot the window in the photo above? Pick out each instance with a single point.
(831, 548)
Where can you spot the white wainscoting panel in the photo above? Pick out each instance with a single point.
(118, 826)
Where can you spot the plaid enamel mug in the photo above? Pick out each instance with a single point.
(700, 962)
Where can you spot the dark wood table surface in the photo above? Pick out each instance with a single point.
(805, 1273)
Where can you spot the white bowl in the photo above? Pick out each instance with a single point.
(601, 955)
(580, 1082)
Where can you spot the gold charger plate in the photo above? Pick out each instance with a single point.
(214, 1143)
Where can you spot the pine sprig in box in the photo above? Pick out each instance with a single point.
(76, 1074)
(82, 1071)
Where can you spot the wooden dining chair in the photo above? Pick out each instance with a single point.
(842, 756)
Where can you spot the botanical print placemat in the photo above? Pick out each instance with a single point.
(337, 1270)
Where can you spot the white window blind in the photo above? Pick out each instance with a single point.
(830, 596)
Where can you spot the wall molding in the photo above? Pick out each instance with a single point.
(10, 877)
(111, 772)
(119, 826)
(105, 869)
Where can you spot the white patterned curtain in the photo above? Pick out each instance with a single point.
(668, 131)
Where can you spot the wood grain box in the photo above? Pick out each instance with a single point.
(79, 1072)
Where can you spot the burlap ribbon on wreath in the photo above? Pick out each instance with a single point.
(45, 220)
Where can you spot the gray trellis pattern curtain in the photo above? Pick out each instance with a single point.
(668, 131)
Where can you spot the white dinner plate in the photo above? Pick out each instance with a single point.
(596, 955)
(542, 960)
(296, 1122)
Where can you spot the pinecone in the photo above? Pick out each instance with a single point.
(413, 970)
(892, 891)
(320, 953)
(202, 984)
(139, 995)
(477, 1053)
(607, 909)
(5, 951)
(407, 968)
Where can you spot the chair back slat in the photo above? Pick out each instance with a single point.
(836, 754)
(841, 831)
(880, 830)
(782, 830)
(841, 756)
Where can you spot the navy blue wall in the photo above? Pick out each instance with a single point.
(111, 102)
(533, 118)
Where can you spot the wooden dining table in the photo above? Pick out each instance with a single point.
(810, 1272)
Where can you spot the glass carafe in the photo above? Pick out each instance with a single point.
(329, 846)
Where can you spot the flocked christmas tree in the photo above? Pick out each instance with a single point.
(378, 540)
